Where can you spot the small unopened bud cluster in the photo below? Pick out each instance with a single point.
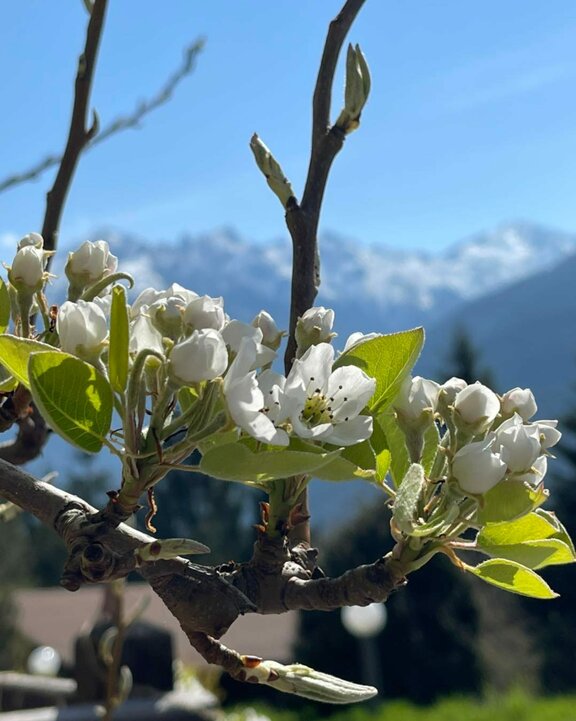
(487, 438)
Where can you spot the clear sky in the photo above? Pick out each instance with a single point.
(471, 121)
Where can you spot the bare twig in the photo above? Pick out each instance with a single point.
(123, 122)
(78, 135)
(302, 219)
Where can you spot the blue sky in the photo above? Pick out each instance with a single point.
(471, 121)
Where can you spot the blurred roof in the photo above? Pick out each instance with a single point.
(54, 617)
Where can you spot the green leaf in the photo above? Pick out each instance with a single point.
(509, 500)
(15, 352)
(237, 462)
(388, 359)
(512, 577)
(7, 382)
(396, 444)
(358, 461)
(5, 308)
(383, 461)
(187, 397)
(431, 441)
(74, 398)
(532, 554)
(407, 502)
(532, 527)
(561, 533)
(118, 352)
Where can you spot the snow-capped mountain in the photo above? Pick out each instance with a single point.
(369, 287)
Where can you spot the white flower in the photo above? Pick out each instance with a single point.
(450, 389)
(519, 444)
(358, 338)
(417, 396)
(255, 403)
(181, 297)
(549, 435)
(166, 316)
(27, 271)
(477, 406)
(34, 239)
(324, 404)
(314, 326)
(536, 473)
(233, 333)
(205, 312)
(90, 263)
(271, 335)
(82, 328)
(143, 336)
(521, 401)
(477, 468)
(201, 357)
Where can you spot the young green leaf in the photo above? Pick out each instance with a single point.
(509, 500)
(400, 461)
(73, 396)
(15, 353)
(119, 340)
(387, 359)
(4, 306)
(532, 527)
(408, 498)
(512, 577)
(236, 462)
(532, 554)
(561, 533)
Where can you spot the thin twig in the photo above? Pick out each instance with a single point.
(122, 122)
(78, 135)
(302, 219)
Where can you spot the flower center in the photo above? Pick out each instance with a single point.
(317, 409)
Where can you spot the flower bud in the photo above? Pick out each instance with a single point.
(82, 329)
(90, 263)
(476, 408)
(143, 336)
(205, 312)
(314, 327)
(166, 316)
(477, 468)
(417, 400)
(27, 271)
(519, 444)
(235, 331)
(201, 357)
(549, 435)
(271, 336)
(450, 389)
(535, 475)
(521, 401)
(33, 239)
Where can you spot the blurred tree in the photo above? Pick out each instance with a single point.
(462, 361)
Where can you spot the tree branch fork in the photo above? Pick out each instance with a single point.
(205, 600)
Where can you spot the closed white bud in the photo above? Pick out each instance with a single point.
(549, 434)
(166, 316)
(205, 312)
(201, 357)
(519, 444)
(521, 401)
(450, 389)
(90, 263)
(27, 271)
(476, 406)
(82, 328)
(477, 468)
(34, 239)
(417, 397)
(271, 335)
(313, 327)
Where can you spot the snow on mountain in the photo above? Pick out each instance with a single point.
(369, 287)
